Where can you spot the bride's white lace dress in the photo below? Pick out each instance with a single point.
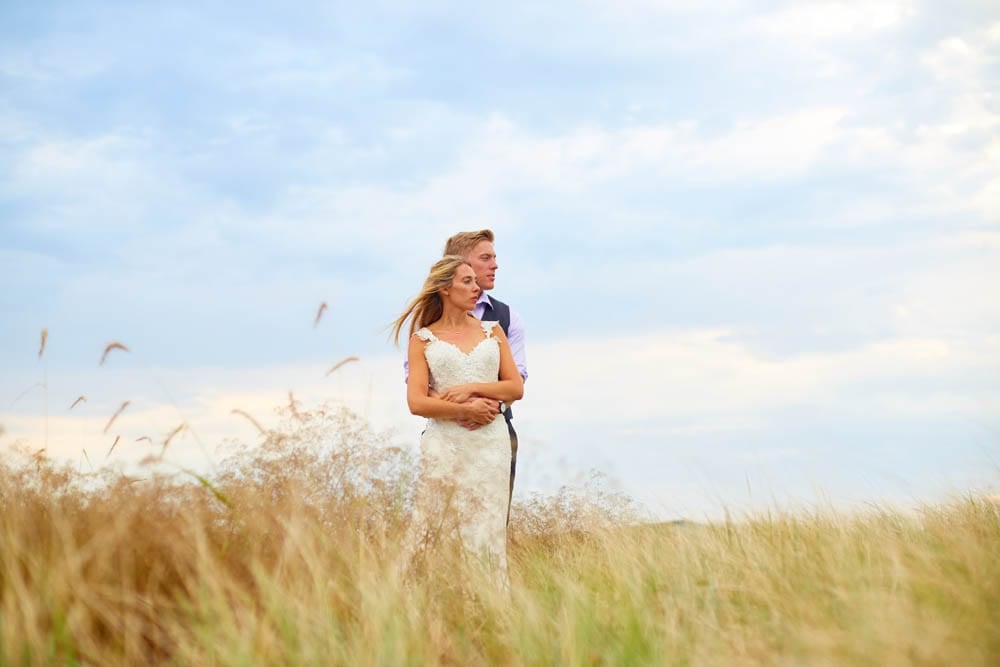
(466, 472)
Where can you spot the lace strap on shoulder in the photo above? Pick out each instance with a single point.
(488, 328)
(424, 334)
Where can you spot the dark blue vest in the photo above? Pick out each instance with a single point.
(500, 315)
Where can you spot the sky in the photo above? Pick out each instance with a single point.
(756, 244)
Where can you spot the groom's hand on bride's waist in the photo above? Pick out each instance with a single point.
(494, 407)
(494, 404)
(481, 411)
(471, 425)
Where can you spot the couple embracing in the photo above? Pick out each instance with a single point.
(465, 366)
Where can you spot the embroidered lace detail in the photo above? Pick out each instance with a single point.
(449, 365)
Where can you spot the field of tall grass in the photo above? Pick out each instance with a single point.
(288, 554)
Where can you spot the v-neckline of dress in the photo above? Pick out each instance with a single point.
(457, 347)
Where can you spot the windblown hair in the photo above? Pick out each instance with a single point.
(461, 244)
(428, 307)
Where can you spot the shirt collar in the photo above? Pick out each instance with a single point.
(484, 298)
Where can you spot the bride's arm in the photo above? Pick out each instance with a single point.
(510, 386)
(420, 401)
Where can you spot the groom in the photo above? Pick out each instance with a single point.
(477, 248)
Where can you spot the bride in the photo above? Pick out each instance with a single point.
(460, 369)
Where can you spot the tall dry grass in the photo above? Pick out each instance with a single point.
(288, 555)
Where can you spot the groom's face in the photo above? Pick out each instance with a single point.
(484, 262)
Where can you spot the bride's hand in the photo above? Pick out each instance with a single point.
(457, 394)
(480, 411)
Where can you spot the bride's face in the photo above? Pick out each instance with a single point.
(463, 292)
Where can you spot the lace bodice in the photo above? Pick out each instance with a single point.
(450, 366)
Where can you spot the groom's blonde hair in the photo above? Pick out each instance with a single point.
(461, 244)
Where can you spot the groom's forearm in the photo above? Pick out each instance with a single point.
(436, 408)
(507, 391)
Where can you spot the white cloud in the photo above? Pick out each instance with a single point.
(112, 183)
(14, 127)
(278, 66)
(51, 61)
(705, 377)
(961, 59)
(114, 176)
(501, 159)
(752, 150)
(810, 21)
(62, 164)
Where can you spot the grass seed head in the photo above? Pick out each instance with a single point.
(115, 416)
(319, 314)
(114, 345)
(113, 445)
(246, 415)
(180, 427)
(345, 360)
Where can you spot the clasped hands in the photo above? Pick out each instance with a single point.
(482, 410)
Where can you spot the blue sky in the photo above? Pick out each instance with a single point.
(755, 244)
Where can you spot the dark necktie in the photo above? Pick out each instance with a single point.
(488, 315)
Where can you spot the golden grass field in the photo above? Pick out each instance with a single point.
(286, 556)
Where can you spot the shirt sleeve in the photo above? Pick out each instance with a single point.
(515, 336)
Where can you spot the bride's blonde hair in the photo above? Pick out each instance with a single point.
(427, 307)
